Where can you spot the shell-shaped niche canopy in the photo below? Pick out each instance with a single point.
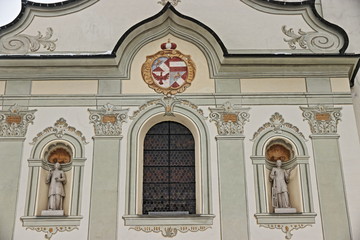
(58, 152)
(279, 149)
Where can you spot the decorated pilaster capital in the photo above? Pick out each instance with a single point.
(14, 122)
(108, 120)
(229, 119)
(323, 120)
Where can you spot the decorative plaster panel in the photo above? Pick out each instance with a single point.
(58, 87)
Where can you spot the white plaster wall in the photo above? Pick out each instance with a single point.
(346, 14)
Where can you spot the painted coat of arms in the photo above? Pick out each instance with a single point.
(168, 71)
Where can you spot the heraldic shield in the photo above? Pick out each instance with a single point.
(168, 71)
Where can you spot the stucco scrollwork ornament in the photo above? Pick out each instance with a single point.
(229, 119)
(170, 231)
(23, 43)
(50, 231)
(108, 120)
(277, 124)
(172, 2)
(285, 228)
(14, 122)
(317, 42)
(322, 119)
(60, 128)
(168, 102)
(168, 71)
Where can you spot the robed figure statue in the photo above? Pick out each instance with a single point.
(279, 178)
(56, 178)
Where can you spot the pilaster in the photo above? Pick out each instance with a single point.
(13, 123)
(230, 122)
(323, 122)
(107, 122)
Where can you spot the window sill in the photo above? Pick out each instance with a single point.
(288, 218)
(47, 221)
(146, 220)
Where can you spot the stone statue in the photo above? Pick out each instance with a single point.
(280, 196)
(56, 179)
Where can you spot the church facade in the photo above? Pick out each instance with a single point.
(120, 121)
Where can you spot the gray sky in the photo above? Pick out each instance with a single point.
(9, 9)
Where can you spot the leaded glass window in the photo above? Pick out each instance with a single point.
(169, 169)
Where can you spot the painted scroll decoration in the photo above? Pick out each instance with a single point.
(172, 2)
(170, 231)
(24, 43)
(168, 71)
(316, 42)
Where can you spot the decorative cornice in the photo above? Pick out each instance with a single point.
(316, 42)
(108, 120)
(50, 231)
(170, 231)
(168, 102)
(60, 129)
(277, 124)
(172, 2)
(285, 228)
(322, 120)
(229, 119)
(14, 122)
(23, 43)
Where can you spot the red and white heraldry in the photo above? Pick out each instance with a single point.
(170, 71)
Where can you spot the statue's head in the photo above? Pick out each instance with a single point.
(57, 165)
(278, 163)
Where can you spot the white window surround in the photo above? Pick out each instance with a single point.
(136, 135)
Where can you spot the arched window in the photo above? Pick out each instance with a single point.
(169, 169)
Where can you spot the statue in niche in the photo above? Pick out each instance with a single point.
(280, 196)
(56, 178)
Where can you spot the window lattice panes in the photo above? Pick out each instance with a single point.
(169, 169)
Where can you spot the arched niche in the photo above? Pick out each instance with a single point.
(64, 144)
(137, 132)
(282, 141)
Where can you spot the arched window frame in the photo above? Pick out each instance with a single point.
(137, 131)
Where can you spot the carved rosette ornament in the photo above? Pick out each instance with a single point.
(23, 43)
(285, 228)
(316, 42)
(170, 231)
(277, 124)
(14, 122)
(108, 120)
(229, 119)
(168, 71)
(50, 231)
(323, 120)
